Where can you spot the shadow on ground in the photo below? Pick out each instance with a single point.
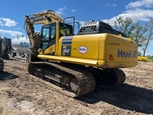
(6, 76)
(126, 97)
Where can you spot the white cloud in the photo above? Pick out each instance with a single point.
(61, 10)
(10, 32)
(140, 3)
(107, 5)
(149, 52)
(7, 22)
(151, 42)
(136, 14)
(1, 24)
(114, 5)
(18, 28)
(81, 22)
(73, 10)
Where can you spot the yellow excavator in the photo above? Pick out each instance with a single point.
(78, 63)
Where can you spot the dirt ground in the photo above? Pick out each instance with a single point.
(20, 94)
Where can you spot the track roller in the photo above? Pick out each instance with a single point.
(74, 85)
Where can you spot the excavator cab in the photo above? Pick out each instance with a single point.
(54, 27)
(51, 33)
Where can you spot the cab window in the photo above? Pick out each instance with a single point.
(49, 32)
(45, 34)
(65, 30)
(53, 32)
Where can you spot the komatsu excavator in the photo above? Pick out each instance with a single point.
(78, 63)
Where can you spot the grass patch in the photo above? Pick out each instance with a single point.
(150, 57)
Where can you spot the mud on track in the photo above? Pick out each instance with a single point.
(20, 94)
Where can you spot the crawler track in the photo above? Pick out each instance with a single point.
(73, 79)
(77, 79)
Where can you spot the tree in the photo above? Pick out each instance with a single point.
(149, 35)
(138, 34)
(141, 34)
(132, 29)
(124, 25)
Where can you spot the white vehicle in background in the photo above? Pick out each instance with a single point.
(21, 47)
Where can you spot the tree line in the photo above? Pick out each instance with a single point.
(141, 33)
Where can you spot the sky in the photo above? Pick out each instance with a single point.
(12, 12)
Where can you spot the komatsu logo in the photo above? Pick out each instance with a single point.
(127, 54)
(39, 18)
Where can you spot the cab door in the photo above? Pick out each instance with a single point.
(48, 38)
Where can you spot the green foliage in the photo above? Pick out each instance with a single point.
(138, 34)
(132, 29)
(124, 25)
(150, 57)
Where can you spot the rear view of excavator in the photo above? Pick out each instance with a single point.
(78, 63)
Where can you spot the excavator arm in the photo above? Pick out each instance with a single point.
(44, 17)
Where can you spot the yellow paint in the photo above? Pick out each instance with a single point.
(120, 52)
(50, 50)
(142, 58)
(69, 59)
(100, 50)
(57, 37)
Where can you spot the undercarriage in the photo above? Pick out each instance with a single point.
(75, 78)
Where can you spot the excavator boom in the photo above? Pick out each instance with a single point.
(44, 17)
